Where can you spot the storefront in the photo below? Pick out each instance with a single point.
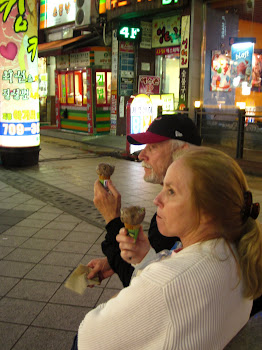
(150, 55)
(75, 68)
(83, 91)
(232, 66)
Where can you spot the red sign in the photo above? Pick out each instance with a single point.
(168, 50)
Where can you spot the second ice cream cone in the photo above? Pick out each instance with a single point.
(132, 230)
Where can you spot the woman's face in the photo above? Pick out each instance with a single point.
(176, 215)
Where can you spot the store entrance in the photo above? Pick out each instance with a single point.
(167, 68)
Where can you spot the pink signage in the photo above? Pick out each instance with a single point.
(149, 85)
(19, 97)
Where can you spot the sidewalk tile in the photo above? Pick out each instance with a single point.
(114, 282)
(45, 339)
(14, 269)
(34, 290)
(48, 233)
(40, 243)
(85, 237)
(27, 255)
(3, 228)
(9, 220)
(68, 297)
(96, 250)
(62, 259)
(43, 216)
(72, 247)
(62, 317)
(21, 231)
(4, 251)
(33, 223)
(19, 311)
(11, 241)
(49, 273)
(10, 333)
(59, 225)
(107, 295)
(7, 283)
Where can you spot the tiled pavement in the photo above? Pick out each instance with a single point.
(41, 242)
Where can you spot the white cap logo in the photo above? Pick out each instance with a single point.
(178, 134)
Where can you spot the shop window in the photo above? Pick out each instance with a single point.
(84, 75)
(103, 88)
(62, 88)
(78, 88)
(70, 88)
(167, 68)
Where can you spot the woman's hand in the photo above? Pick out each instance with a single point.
(133, 252)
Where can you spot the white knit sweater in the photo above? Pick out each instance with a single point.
(188, 300)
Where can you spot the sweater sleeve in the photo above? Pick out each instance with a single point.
(126, 322)
(111, 250)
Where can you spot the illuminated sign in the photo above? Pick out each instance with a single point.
(107, 5)
(19, 90)
(131, 33)
(53, 13)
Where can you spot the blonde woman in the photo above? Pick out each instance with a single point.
(200, 295)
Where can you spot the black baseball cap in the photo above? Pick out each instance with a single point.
(166, 127)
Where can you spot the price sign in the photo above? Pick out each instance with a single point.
(128, 32)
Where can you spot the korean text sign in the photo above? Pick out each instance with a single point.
(19, 99)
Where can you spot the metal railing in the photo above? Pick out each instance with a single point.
(232, 128)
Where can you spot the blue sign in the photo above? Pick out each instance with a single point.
(241, 69)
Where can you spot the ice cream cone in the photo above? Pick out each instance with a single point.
(132, 230)
(104, 180)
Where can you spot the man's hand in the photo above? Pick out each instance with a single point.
(101, 268)
(107, 202)
(133, 252)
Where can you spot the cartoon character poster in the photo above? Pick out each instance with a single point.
(220, 71)
(19, 98)
(241, 67)
(257, 72)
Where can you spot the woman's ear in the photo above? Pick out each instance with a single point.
(205, 218)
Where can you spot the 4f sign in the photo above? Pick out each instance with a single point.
(167, 2)
(129, 33)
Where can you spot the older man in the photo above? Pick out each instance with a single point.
(165, 135)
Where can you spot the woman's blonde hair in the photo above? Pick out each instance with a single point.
(218, 190)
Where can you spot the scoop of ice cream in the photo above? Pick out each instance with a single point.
(132, 215)
(105, 170)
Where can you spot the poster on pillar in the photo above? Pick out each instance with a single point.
(184, 64)
(19, 98)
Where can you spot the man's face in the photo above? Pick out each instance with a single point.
(156, 158)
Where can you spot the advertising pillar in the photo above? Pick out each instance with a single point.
(19, 99)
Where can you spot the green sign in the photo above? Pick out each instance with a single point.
(128, 32)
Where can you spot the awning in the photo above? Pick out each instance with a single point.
(60, 47)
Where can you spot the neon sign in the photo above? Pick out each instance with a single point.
(131, 33)
(114, 4)
(19, 90)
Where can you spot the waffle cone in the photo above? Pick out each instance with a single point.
(103, 177)
(131, 227)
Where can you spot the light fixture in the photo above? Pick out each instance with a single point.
(197, 104)
(241, 105)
